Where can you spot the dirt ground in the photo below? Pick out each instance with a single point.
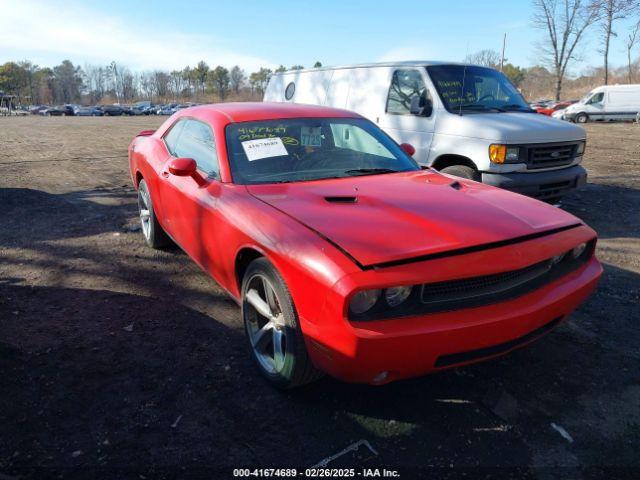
(117, 361)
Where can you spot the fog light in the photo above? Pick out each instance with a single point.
(363, 301)
(394, 296)
(579, 250)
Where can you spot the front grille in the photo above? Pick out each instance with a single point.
(477, 291)
(432, 293)
(550, 155)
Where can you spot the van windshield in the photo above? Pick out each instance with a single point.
(303, 149)
(465, 89)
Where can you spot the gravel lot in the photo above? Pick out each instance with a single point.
(117, 361)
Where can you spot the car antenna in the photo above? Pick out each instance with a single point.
(464, 76)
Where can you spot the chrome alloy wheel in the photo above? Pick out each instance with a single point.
(145, 214)
(265, 323)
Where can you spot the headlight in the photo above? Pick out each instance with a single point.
(364, 301)
(394, 296)
(557, 258)
(581, 147)
(499, 153)
(579, 250)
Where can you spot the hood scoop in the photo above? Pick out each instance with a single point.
(341, 199)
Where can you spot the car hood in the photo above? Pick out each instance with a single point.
(384, 218)
(510, 127)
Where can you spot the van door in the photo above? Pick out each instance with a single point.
(595, 106)
(338, 92)
(398, 121)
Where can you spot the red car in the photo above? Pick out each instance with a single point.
(554, 107)
(345, 256)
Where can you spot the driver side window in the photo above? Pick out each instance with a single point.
(597, 98)
(405, 85)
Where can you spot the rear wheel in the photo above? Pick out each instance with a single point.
(462, 171)
(582, 118)
(272, 328)
(153, 233)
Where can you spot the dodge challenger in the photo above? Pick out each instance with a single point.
(345, 256)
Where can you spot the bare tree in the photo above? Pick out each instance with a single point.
(632, 40)
(609, 12)
(565, 22)
(486, 58)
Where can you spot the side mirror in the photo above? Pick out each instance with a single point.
(182, 167)
(421, 106)
(408, 149)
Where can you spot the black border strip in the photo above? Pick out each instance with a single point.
(471, 355)
(472, 249)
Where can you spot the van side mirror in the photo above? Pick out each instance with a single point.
(420, 106)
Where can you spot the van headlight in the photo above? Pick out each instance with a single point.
(499, 153)
(581, 147)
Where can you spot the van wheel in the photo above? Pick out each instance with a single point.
(462, 171)
(582, 118)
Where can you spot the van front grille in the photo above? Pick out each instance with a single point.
(550, 155)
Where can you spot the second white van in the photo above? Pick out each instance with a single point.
(606, 103)
(464, 120)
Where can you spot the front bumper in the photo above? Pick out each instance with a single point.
(547, 185)
(382, 351)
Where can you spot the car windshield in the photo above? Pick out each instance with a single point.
(302, 149)
(465, 89)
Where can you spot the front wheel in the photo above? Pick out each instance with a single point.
(582, 118)
(272, 328)
(462, 171)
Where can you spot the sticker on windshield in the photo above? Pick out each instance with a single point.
(311, 136)
(264, 148)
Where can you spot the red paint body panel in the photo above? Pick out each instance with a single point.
(322, 250)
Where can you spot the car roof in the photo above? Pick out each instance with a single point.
(249, 111)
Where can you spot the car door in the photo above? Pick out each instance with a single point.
(188, 202)
(399, 122)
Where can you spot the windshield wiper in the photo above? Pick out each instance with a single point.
(480, 107)
(519, 108)
(369, 171)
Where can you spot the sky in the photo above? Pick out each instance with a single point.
(170, 34)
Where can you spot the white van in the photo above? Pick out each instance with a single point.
(465, 120)
(606, 103)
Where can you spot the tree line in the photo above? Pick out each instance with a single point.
(115, 83)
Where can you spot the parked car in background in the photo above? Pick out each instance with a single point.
(553, 107)
(53, 111)
(37, 109)
(112, 110)
(606, 103)
(88, 111)
(169, 109)
(345, 256)
(463, 120)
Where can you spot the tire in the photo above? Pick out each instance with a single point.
(152, 232)
(278, 324)
(582, 118)
(462, 171)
